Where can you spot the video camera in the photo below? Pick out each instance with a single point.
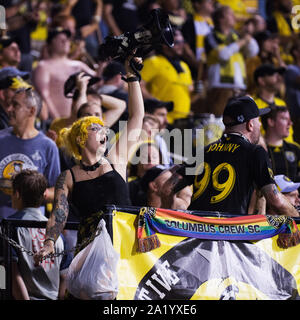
(70, 90)
(158, 30)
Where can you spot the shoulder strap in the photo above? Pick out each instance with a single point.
(73, 177)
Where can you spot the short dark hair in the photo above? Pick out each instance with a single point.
(83, 107)
(272, 114)
(31, 186)
(218, 14)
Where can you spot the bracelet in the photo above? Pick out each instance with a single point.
(130, 79)
(51, 239)
(97, 18)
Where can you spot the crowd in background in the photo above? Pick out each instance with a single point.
(222, 49)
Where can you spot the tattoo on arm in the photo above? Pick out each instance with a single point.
(60, 208)
(61, 181)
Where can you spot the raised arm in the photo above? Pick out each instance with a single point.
(114, 108)
(119, 154)
(58, 216)
(81, 85)
(278, 202)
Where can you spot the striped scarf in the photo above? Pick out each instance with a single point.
(253, 227)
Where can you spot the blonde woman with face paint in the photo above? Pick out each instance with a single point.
(98, 179)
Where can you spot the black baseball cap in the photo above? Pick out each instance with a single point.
(152, 104)
(6, 41)
(150, 175)
(267, 70)
(52, 33)
(242, 109)
(11, 77)
(262, 36)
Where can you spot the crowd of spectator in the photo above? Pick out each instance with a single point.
(222, 50)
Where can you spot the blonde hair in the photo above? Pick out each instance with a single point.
(73, 139)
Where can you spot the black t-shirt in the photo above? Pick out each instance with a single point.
(125, 13)
(285, 160)
(233, 167)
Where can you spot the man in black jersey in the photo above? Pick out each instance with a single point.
(284, 156)
(233, 167)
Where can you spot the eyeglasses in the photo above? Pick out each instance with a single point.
(95, 127)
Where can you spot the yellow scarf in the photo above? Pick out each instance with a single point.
(227, 69)
(202, 26)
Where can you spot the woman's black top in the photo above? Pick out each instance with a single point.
(90, 196)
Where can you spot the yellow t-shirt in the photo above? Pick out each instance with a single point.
(278, 102)
(166, 84)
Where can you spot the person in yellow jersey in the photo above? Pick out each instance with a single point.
(167, 77)
(268, 81)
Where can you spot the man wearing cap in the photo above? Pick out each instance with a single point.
(10, 54)
(152, 183)
(51, 74)
(11, 79)
(268, 80)
(160, 110)
(196, 27)
(288, 188)
(233, 167)
(284, 156)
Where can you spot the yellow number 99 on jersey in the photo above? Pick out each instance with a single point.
(225, 187)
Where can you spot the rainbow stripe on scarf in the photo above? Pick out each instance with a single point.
(253, 227)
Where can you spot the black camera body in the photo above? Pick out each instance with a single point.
(158, 30)
(70, 84)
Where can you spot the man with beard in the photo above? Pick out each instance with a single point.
(233, 167)
(167, 78)
(10, 54)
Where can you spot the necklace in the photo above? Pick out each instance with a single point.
(238, 134)
(93, 167)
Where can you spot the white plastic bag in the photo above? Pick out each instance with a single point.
(92, 274)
